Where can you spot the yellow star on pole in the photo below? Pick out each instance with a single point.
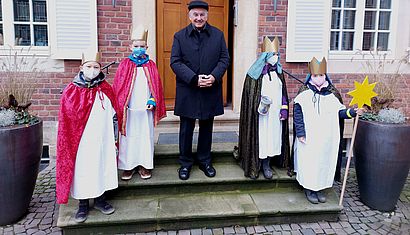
(363, 93)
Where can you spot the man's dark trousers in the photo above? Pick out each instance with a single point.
(186, 131)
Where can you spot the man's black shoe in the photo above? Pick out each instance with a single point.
(183, 173)
(209, 170)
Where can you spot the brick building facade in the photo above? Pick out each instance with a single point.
(113, 27)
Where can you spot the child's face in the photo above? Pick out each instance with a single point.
(138, 44)
(90, 69)
(318, 79)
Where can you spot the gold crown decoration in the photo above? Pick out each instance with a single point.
(90, 57)
(316, 67)
(270, 46)
(139, 34)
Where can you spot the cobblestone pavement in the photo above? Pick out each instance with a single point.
(356, 218)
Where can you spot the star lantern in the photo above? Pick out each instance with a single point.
(363, 93)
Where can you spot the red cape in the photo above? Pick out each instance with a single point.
(123, 85)
(75, 108)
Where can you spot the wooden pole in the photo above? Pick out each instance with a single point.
(356, 120)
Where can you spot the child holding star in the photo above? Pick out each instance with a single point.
(317, 110)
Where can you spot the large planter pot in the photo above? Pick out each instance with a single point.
(20, 155)
(382, 161)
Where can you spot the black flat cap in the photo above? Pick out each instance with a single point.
(198, 4)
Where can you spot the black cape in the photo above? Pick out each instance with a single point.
(247, 153)
(338, 173)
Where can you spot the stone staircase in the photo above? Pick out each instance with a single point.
(166, 203)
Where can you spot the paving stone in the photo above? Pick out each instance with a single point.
(239, 229)
(329, 231)
(294, 226)
(324, 224)
(295, 232)
(196, 231)
(31, 231)
(307, 231)
(269, 228)
(184, 232)
(335, 225)
(229, 230)
(207, 231)
(40, 233)
(349, 230)
(172, 232)
(260, 229)
(250, 229)
(285, 227)
(318, 230)
(339, 231)
(304, 225)
(217, 231)
(277, 227)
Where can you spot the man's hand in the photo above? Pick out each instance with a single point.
(149, 107)
(302, 139)
(206, 80)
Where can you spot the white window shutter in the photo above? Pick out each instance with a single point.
(308, 30)
(73, 28)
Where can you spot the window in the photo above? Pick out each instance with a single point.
(49, 28)
(376, 28)
(343, 25)
(349, 32)
(30, 23)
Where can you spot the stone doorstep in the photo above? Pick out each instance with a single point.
(229, 177)
(224, 209)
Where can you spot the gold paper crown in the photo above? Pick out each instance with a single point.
(316, 67)
(140, 34)
(90, 57)
(270, 46)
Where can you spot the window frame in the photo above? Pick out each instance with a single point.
(9, 24)
(359, 32)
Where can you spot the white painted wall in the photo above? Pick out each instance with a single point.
(245, 45)
(144, 13)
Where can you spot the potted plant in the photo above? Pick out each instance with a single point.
(21, 134)
(382, 159)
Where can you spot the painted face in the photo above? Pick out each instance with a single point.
(198, 17)
(138, 47)
(90, 69)
(273, 59)
(318, 79)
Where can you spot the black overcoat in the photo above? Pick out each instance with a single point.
(194, 53)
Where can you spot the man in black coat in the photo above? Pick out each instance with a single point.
(199, 58)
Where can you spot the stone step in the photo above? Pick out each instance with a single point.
(229, 177)
(199, 210)
(169, 153)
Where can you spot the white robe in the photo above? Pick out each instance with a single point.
(315, 161)
(96, 165)
(137, 147)
(270, 126)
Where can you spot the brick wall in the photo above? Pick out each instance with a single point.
(113, 40)
(271, 23)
